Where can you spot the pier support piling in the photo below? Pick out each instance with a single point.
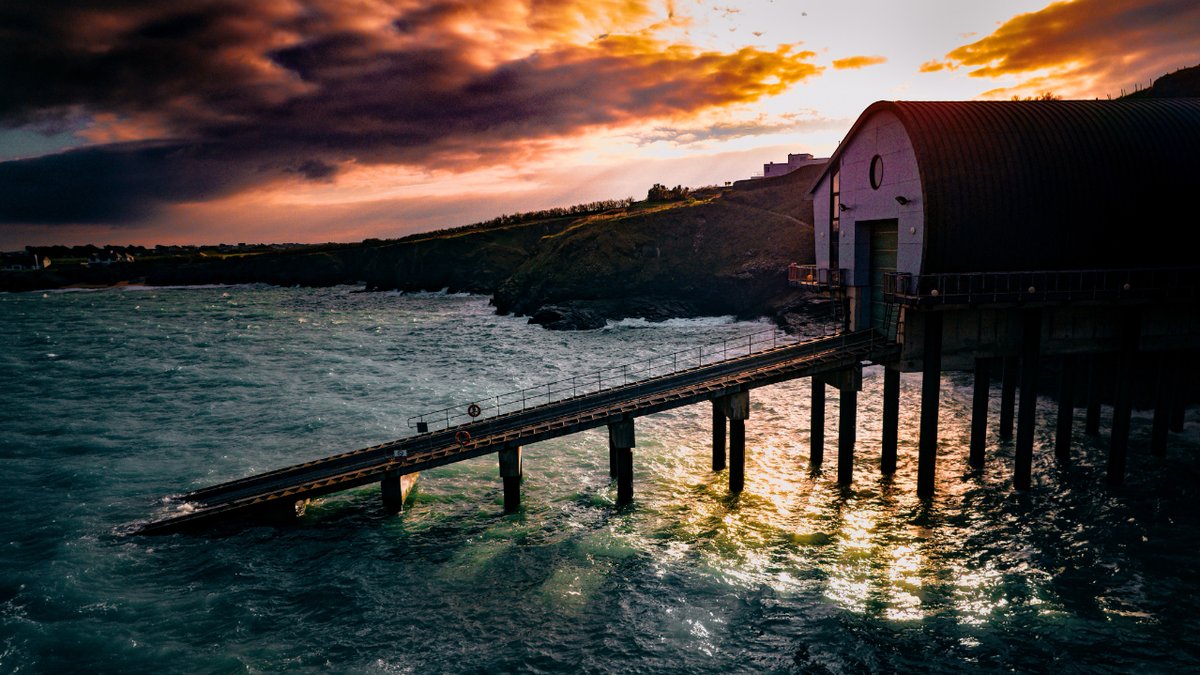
(891, 420)
(1177, 390)
(847, 433)
(621, 439)
(1118, 445)
(1008, 396)
(737, 408)
(1066, 410)
(979, 411)
(1162, 406)
(931, 379)
(1091, 425)
(511, 473)
(718, 436)
(816, 429)
(394, 488)
(1031, 335)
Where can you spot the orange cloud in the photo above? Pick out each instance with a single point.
(1086, 47)
(856, 62)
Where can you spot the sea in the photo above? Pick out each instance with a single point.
(113, 400)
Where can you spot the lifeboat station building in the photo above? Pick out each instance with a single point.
(1018, 235)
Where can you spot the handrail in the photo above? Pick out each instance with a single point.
(1041, 285)
(608, 379)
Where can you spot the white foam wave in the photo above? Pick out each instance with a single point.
(690, 322)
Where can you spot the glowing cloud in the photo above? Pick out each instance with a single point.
(856, 62)
(1083, 48)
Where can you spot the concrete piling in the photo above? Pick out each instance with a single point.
(511, 473)
(816, 429)
(1162, 406)
(931, 378)
(737, 408)
(847, 433)
(891, 420)
(621, 438)
(718, 436)
(979, 411)
(1031, 335)
(1179, 377)
(1091, 425)
(1123, 400)
(1008, 396)
(1066, 410)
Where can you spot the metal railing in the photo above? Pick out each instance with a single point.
(816, 278)
(1041, 286)
(609, 379)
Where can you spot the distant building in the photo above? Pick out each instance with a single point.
(15, 262)
(106, 258)
(772, 169)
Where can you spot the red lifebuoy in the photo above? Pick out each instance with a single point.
(463, 437)
(473, 410)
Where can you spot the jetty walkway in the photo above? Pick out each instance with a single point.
(722, 373)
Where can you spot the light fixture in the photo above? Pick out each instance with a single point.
(902, 199)
(843, 207)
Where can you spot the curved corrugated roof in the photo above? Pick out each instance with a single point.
(1022, 185)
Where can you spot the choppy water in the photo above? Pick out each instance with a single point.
(114, 398)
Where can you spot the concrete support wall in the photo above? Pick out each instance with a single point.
(395, 488)
(969, 333)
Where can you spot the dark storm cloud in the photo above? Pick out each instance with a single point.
(246, 93)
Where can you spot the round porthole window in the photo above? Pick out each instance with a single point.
(876, 171)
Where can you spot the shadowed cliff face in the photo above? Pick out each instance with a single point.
(724, 255)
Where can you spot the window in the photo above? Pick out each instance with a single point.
(876, 172)
(835, 218)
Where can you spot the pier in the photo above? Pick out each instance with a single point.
(721, 375)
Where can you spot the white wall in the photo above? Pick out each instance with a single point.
(883, 135)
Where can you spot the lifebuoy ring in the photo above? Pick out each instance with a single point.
(473, 410)
(463, 437)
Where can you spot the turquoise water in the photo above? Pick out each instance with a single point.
(114, 399)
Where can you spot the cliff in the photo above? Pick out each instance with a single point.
(726, 253)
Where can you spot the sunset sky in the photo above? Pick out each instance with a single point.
(197, 121)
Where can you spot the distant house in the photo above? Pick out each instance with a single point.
(106, 258)
(15, 262)
(796, 161)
